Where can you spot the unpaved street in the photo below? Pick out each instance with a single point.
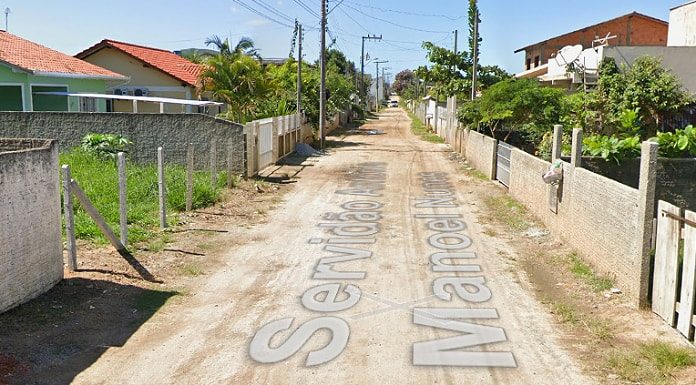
(374, 270)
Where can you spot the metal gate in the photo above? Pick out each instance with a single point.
(502, 164)
(265, 149)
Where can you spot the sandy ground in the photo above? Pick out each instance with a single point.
(205, 339)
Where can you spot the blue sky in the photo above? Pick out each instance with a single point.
(73, 25)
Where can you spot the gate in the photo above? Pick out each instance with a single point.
(674, 277)
(265, 149)
(502, 164)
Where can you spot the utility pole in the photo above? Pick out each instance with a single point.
(362, 67)
(299, 68)
(456, 34)
(377, 63)
(474, 69)
(322, 88)
(7, 16)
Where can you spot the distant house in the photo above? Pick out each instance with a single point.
(28, 70)
(152, 71)
(633, 29)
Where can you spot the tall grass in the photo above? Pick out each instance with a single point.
(98, 177)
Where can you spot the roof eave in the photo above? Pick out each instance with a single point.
(78, 76)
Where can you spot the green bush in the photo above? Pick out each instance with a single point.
(104, 145)
(612, 147)
(679, 144)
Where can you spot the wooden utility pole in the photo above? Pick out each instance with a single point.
(474, 69)
(362, 67)
(322, 88)
(377, 63)
(299, 68)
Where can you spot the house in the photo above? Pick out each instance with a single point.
(682, 25)
(153, 72)
(633, 29)
(28, 69)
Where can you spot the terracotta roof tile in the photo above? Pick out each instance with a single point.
(32, 57)
(166, 61)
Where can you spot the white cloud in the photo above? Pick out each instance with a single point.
(257, 22)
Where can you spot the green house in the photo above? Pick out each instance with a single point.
(33, 76)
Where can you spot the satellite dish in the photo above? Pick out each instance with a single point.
(568, 54)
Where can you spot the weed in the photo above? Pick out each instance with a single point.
(191, 270)
(584, 271)
(508, 211)
(474, 173)
(566, 312)
(418, 128)
(602, 330)
(650, 363)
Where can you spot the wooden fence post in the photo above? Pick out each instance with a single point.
(162, 188)
(98, 219)
(69, 218)
(122, 198)
(189, 177)
(213, 163)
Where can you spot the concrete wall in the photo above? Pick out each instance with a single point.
(147, 131)
(481, 153)
(682, 26)
(597, 216)
(31, 249)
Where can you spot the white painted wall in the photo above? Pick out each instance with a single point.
(682, 26)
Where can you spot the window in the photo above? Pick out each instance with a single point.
(11, 98)
(88, 105)
(529, 63)
(536, 61)
(49, 102)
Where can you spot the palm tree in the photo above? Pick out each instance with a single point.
(245, 46)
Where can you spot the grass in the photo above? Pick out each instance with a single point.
(566, 312)
(508, 211)
(651, 363)
(191, 270)
(418, 128)
(98, 177)
(599, 329)
(474, 173)
(583, 271)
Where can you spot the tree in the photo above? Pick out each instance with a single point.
(245, 46)
(450, 73)
(646, 87)
(403, 81)
(515, 104)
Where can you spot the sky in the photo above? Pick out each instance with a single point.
(71, 26)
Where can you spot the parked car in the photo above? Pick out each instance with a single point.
(393, 103)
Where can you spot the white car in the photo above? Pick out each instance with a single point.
(393, 103)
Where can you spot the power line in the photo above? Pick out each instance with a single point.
(334, 7)
(394, 24)
(453, 18)
(274, 11)
(265, 16)
(307, 8)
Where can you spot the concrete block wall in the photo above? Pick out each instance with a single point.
(146, 131)
(31, 248)
(481, 153)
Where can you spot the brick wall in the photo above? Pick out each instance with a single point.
(31, 249)
(147, 131)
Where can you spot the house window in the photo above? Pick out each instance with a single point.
(109, 105)
(11, 98)
(529, 63)
(49, 102)
(536, 61)
(88, 105)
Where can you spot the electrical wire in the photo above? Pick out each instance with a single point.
(307, 8)
(265, 16)
(394, 24)
(453, 18)
(274, 11)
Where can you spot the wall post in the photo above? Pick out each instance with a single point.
(557, 142)
(274, 135)
(576, 153)
(646, 213)
(122, 201)
(69, 218)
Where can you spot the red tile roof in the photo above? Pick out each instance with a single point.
(163, 60)
(37, 59)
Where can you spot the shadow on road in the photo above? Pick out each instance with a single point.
(50, 340)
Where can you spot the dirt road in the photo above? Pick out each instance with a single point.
(374, 270)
